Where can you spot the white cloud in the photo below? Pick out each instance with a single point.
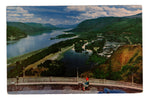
(84, 8)
(11, 9)
(120, 12)
(133, 6)
(93, 14)
(85, 12)
(13, 14)
(88, 12)
(18, 14)
(29, 15)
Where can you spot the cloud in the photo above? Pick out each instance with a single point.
(120, 12)
(84, 8)
(28, 15)
(18, 14)
(89, 12)
(93, 14)
(14, 9)
(13, 14)
(68, 15)
(132, 7)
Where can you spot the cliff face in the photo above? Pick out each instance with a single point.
(126, 54)
(125, 63)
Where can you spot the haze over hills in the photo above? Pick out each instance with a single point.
(66, 26)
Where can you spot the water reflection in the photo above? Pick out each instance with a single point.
(32, 43)
(74, 60)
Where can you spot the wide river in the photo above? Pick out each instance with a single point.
(32, 43)
(71, 59)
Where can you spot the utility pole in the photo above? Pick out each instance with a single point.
(17, 78)
(77, 74)
(24, 71)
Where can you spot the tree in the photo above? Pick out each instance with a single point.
(128, 71)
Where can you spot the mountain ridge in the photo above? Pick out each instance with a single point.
(113, 28)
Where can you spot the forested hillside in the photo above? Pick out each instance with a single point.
(114, 28)
(126, 62)
(14, 33)
(17, 30)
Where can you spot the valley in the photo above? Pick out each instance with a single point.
(107, 48)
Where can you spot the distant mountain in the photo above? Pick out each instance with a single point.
(16, 30)
(38, 25)
(114, 28)
(50, 25)
(66, 26)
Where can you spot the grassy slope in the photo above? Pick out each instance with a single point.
(124, 55)
(111, 69)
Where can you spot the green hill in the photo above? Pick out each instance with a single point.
(95, 25)
(14, 33)
(17, 30)
(126, 62)
(31, 28)
(114, 28)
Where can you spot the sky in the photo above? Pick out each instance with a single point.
(68, 15)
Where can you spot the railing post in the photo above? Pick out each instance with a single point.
(50, 79)
(104, 81)
(132, 79)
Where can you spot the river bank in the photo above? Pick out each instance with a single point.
(24, 56)
(56, 56)
(33, 43)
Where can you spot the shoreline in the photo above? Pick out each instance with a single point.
(55, 56)
(24, 56)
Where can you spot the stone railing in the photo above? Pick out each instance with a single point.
(11, 81)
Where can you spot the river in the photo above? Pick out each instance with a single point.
(72, 59)
(32, 43)
(75, 62)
